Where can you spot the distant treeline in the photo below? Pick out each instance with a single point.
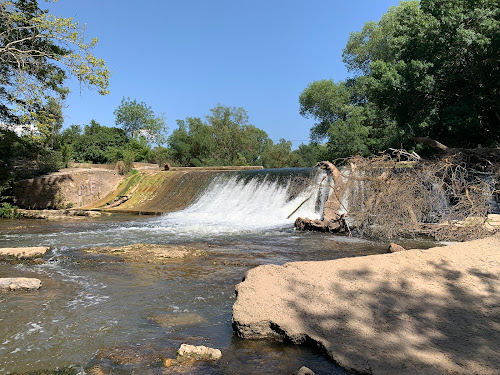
(224, 137)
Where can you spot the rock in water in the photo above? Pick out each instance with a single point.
(199, 352)
(394, 248)
(23, 252)
(305, 371)
(20, 283)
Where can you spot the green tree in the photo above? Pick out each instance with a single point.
(54, 115)
(179, 143)
(433, 67)
(139, 120)
(308, 155)
(236, 141)
(160, 155)
(346, 119)
(38, 51)
(225, 138)
(280, 155)
(99, 144)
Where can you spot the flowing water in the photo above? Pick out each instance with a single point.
(124, 317)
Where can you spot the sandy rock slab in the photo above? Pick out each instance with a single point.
(433, 311)
(19, 283)
(23, 252)
(148, 253)
(57, 214)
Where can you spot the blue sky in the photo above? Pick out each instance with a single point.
(183, 57)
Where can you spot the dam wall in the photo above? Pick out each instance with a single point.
(68, 188)
(146, 190)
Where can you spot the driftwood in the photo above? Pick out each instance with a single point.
(474, 155)
(332, 221)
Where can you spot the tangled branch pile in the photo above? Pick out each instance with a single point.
(400, 194)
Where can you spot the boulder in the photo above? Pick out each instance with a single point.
(20, 283)
(199, 352)
(394, 248)
(419, 312)
(23, 252)
(305, 371)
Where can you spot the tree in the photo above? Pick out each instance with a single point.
(433, 67)
(139, 120)
(38, 51)
(54, 115)
(280, 155)
(179, 143)
(349, 123)
(226, 138)
(98, 144)
(428, 68)
(236, 141)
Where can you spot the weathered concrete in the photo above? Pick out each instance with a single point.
(19, 283)
(219, 168)
(23, 252)
(430, 311)
(72, 187)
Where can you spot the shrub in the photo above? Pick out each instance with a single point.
(8, 211)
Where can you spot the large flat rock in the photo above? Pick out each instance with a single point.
(433, 311)
(19, 283)
(23, 252)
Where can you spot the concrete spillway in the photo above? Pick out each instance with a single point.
(227, 199)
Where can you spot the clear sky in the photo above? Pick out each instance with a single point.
(183, 57)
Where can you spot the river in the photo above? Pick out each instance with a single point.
(97, 311)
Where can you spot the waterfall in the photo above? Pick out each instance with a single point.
(256, 200)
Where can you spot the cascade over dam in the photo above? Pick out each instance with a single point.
(274, 193)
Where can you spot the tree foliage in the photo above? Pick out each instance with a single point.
(38, 51)
(224, 138)
(427, 68)
(138, 120)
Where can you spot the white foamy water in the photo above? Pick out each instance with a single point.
(237, 204)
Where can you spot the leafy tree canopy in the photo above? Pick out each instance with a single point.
(38, 51)
(139, 120)
(428, 68)
(225, 138)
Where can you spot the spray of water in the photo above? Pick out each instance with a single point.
(234, 203)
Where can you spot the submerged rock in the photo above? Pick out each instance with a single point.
(199, 352)
(20, 283)
(23, 252)
(148, 253)
(180, 319)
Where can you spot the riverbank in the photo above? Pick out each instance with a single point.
(415, 312)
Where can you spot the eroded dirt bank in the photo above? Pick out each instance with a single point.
(433, 311)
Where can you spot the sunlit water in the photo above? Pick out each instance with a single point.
(95, 309)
